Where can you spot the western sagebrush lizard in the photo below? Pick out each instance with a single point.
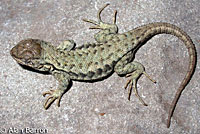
(112, 52)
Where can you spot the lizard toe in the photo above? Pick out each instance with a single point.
(53, 95)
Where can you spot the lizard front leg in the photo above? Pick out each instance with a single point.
(133, 70)
(66, 45)
(64, 81)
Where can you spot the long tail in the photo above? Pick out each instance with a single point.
(152, 29)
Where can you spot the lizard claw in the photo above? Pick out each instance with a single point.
(99, 24)
(98, 16)
(132, 84)
(53, 95)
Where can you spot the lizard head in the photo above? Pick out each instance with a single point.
(28, 52)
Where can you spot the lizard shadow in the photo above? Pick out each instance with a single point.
(48, 73)
(34, 70)
(42, 72)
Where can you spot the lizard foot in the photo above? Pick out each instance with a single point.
(100, 24)
(132, 83)
(53, 95)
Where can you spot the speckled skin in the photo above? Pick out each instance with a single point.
(113, 52)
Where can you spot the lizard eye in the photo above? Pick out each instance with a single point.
(28, 62)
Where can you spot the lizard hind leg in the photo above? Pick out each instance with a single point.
(106, 28)
(132, 70)
(132, 83)
(100, 24)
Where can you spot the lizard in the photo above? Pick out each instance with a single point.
(111, 52)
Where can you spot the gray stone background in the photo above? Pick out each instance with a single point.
(101, 107)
